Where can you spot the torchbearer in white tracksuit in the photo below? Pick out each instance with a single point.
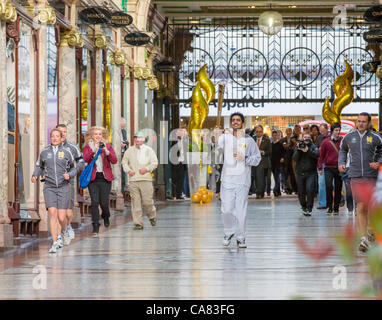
(240, 153)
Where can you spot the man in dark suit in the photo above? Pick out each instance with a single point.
(265, 146)
(288, 144)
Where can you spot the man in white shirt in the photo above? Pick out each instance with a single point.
(240, 153)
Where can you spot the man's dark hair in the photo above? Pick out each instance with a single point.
(259, 126)
(236, 114)
(60, 125)
(274, 131)
(365, 114)
(334, 126)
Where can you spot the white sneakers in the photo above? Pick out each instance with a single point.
(54, 248)
(227, 241)
(66, 238)
(59, 242)
(70, 230)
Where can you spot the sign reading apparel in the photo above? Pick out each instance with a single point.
(373, 14)
(120, 19)
(137, 39)
(95, 15)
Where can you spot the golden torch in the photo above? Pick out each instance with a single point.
(344, 95)
(199, 104)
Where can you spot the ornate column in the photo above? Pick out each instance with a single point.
(7, 13)
(101, 42)
(118, 59)
(69, 40)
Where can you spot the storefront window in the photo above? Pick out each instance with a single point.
(11, 103)
(52, 110)
(25, 189)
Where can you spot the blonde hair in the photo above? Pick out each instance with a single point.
(89, 134)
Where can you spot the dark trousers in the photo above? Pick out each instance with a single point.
(99, 190)
(260, 180)
(290, 178)
(349, 195)
(305, 187)
(268, 179)
(178, 174)
(276, 170)
(330, 175)
(186, 185)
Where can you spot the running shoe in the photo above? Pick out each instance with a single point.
(241, 243)
(364, 245)
(227, 240)
(336, 212)
(59, 242)
(138, 227)
(54, 248)
(153, 222)
(71, 232)
(95, 234)
(308, 212)
(66, 238)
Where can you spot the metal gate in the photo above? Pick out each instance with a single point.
(299, 64)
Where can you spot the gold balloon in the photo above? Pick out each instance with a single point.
(107, 84)
(196, 197)
(199, 104)
(344, 95)
(206, 198)
(211, 193)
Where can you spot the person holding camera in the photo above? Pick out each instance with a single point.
(329, 151)
(102, 175)
(306, 155)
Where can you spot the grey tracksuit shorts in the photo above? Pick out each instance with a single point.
(60, 197)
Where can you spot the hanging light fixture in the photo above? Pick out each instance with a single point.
(270, 22)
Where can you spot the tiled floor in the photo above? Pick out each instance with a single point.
(183, 258)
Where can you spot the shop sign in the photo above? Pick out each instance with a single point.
(120, 19)
(165, 66)
(137, 39)
(95, 15)
(373, 14)
(373, 35)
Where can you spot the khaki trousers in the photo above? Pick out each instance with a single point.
(142, 194)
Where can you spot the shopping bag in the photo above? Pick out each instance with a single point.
(86, 175)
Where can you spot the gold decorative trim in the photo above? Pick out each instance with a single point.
(153, 83)
(71, 39)
(101, 41)
(8, 12)
(46, 15)
(120, 58)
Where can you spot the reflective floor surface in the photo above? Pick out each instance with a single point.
(183, 258)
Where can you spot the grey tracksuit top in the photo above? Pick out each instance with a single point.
(54, 165)
(362, 151)
(79, 161)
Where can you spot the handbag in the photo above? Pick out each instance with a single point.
(86, 175)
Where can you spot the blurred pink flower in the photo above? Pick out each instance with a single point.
(319, 251)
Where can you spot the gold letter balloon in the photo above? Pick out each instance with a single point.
(344, 95)
(199, 104)
(202, 195)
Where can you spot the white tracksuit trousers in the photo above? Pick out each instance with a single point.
(234, 201)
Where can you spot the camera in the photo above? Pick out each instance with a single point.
(301, 145)
(101, 145)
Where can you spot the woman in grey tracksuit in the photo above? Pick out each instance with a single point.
(56, 164)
